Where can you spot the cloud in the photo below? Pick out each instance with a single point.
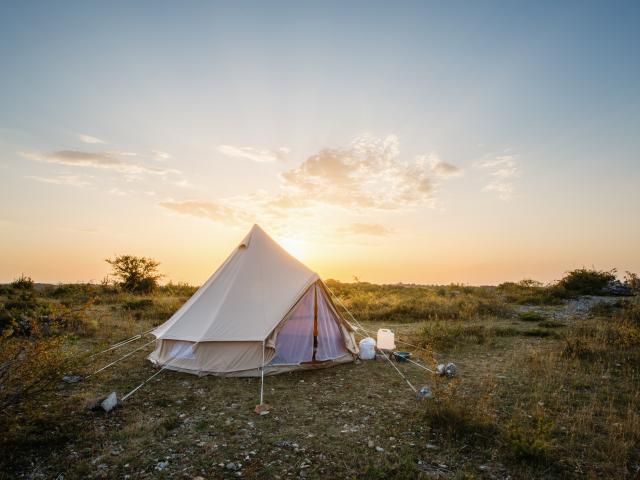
(160, 156)
(89, 139)
(208, 210)
(101, 160)
(255, 154)
(63, 179)
(503, 170)
(368, 174)
(370, 229)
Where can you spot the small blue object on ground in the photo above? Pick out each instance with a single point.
(402, 356)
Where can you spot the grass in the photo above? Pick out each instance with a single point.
(540, 398)
(532, 316)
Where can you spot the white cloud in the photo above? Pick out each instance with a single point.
(368, 229)
(160, 156)
(208, 210)
(255, 154)
(503, 170)
(101, 160)
(367, 175)
(89, 139)
(64, 179)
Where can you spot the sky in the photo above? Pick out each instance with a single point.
(416, 142)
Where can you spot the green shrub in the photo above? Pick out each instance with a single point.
(539, 332)
(530, 292)
(140, 304)
(22, 283)
(403, 303)
(455, 419)
(587, 281)
(529, 444)
(178, 289)
(605, 309)
(449, 334)
(551, 324)
(171, 423)
(595, 339)
(532, 316)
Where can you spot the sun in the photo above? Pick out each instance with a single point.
(294, 246)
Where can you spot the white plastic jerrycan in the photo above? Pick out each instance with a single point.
(386, 339)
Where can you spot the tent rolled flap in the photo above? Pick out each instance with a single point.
(261, 310)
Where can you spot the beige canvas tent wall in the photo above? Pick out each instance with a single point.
(261, 308)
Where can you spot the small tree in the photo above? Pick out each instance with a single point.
(136, 274)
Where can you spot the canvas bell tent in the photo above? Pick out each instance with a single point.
(261, 310)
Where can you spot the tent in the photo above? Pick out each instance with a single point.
(262, 311)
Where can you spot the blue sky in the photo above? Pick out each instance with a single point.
(200, 106)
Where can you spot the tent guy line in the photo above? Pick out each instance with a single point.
(121, 358)
(123, 342)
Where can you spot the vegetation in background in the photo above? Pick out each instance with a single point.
(585, 281)
(410, 303)
(531, 316)
(531, 292)
(535, 398)
(135, 274)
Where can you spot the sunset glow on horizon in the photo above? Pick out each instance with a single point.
(424, 143)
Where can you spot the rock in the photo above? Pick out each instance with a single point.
(162, 465)
(380, 449)
(440, 369)
(431, 446)
(286, 444)
(234, 467)
(616, 287)
(72, 378)
(110, 402)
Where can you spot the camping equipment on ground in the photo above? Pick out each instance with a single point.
(367, 349)
(401, 356)
(449, 370)
(424, 392)
(386, 339)
(262, 312)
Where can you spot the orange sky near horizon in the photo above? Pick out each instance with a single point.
(422, 142)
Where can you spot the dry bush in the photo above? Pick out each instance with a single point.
(530, 292)
(441, 335)
(399, 303)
